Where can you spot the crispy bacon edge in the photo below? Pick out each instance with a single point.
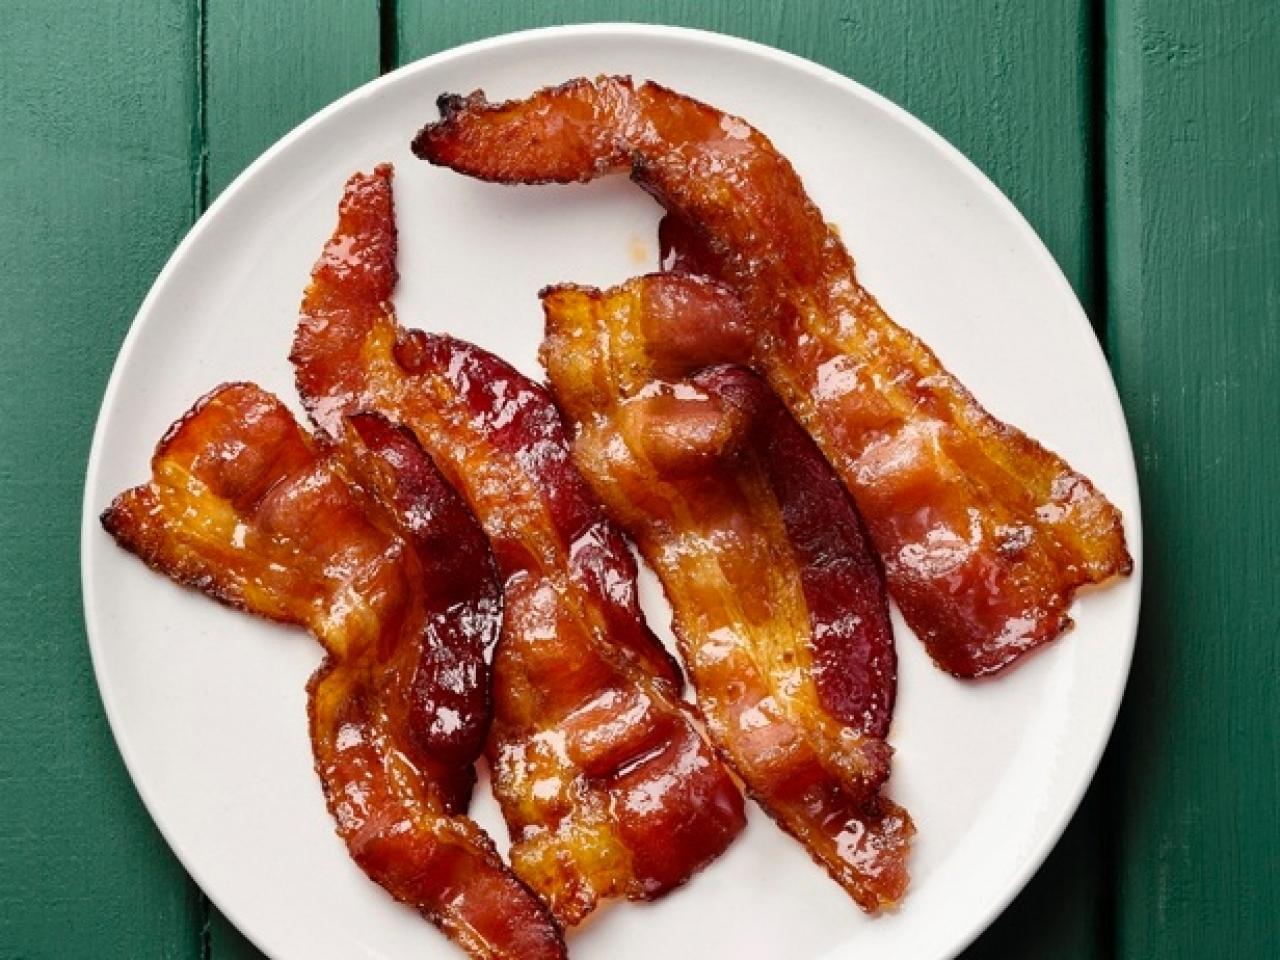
(583, 672)
(985, 535)
(245, 507)
(779, 600)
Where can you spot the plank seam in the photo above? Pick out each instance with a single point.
(1096, 153)
(200, 175)
(388, 36)
(206, 928)
(1110, 796)
(200, 203)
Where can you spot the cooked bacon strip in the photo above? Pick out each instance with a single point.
(984, 534)
(368, 547)
(605, 784)
(779, 601)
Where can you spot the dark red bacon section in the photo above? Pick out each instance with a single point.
(779, 599)
(607, 787)
(364, 543)
(984, 534)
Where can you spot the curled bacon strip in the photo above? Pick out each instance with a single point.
(779, 601)
(363, 543)
(984, 534)
(606, 786)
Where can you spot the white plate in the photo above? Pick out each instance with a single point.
(207, 705)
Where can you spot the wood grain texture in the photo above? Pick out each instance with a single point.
(1009, 84)
(96, 173)
(1194, 293)
(269, 66)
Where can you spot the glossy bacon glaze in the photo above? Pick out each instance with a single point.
(605, 784)
(779, 601)
(984, 534)
(363, 543)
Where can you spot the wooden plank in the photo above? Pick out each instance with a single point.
(98, 107)
(267, 67)
(1008, 83)
(1194, 295)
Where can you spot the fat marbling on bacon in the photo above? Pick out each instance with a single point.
(606, 785)
(779, 599)
(361, 541)
(985, 535)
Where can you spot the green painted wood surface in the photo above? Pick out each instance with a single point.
(96, 160)
(1165, 219)
(1193, 248)
(269, 66)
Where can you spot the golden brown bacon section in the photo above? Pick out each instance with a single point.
(349, 540)
(606, 786)
(984, 534)
(779, 601)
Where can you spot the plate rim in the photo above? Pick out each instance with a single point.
(1037, 852)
